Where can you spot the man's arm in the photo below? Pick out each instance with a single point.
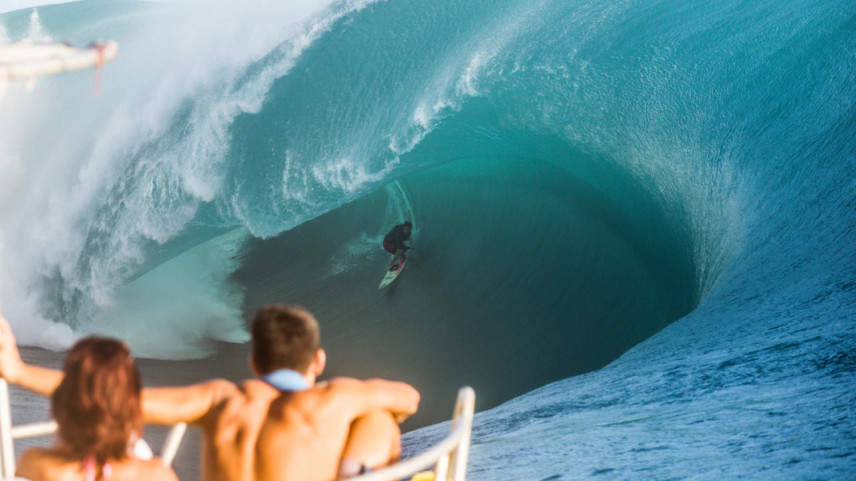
(41, 380)
(398, 398)
(188, 404)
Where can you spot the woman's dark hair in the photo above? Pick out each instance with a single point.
(97, 404)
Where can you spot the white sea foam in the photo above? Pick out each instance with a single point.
(37, 31)
(172, 311)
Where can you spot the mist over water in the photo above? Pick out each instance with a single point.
(656, 194)
(130, 176)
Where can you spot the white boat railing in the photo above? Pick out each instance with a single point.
(447, 459)
(9, 433)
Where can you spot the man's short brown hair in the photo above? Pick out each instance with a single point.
(284, 336)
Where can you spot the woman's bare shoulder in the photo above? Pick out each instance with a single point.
(133, 469)
(37, 464)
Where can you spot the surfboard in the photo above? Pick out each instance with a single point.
(27, 60)
(393, 271)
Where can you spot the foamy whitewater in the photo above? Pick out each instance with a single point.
(635, 221)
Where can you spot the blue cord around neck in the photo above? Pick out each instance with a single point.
(286, 380)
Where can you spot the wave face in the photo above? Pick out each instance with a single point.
(659, 195)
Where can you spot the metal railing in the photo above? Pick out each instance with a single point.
(448, 458)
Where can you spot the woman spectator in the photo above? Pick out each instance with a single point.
(98, 410)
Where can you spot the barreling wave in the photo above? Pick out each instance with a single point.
(580, 175)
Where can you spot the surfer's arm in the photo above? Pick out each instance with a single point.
(41, 380)
(185, 404)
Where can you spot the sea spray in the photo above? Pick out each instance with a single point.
(37, 33)
(189, 296)
(128, 171)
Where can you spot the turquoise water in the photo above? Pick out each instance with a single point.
(634, 220)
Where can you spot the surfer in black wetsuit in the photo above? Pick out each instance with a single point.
(394, 240)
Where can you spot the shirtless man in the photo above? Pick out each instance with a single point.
(280, 426)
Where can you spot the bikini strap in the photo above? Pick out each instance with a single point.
(90, 466)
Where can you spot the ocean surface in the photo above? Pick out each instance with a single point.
(635, 221)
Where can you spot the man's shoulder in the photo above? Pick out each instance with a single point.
(339, 389)
(334, 398)
(234, 404)
(223, 388)
(251, 389)
(340, 383)
(221, 391)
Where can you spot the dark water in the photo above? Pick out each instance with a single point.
(522, 275)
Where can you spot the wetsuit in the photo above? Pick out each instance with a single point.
(395, 239)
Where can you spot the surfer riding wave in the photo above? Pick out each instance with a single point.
(394, 242)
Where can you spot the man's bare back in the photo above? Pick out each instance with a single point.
(307, 435)
(230, 429)
(250, 430)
